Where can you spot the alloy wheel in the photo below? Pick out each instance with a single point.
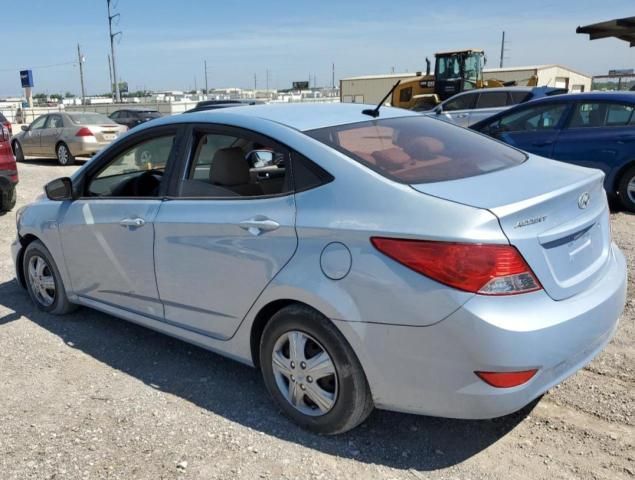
(62, 154)
(41, 280)
(630, 189)
(305, 373)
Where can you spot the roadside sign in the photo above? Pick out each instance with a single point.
(26, 78)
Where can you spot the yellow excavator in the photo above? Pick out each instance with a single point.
(454, 72)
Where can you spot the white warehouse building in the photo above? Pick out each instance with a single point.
(548, 75)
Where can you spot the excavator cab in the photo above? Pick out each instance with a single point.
(458, 71)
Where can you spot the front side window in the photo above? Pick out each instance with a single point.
(227, 165)
(405, 94)
(136, 172)
(419, 149)
(543, 117)
(55, 121)
(38, 123)
(460, 102)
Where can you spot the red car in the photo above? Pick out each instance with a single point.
(8, 171)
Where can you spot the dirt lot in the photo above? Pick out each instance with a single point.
(90, 396)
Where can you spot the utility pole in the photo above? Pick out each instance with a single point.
(112, 50)
(333, 76)
(205, 65)
(80, 58)
(502, 50)
(112, 92)
(255, 84)
(267, 81)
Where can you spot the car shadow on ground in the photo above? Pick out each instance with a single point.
(50, 162)
(237, 393)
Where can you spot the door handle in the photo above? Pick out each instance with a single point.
(543, 144)
(625, 138)
(132, 222)
(258, 225)
(462, 115)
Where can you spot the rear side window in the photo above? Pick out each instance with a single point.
(3, 119)
(599, 114)
(519, 97)
(619, 115)
(419, 149)
(491, 100)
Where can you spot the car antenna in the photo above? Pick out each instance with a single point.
(374, 112)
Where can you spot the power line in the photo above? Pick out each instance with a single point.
(16, 69)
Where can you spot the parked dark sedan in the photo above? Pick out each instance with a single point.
(594, 129)
(134, 116)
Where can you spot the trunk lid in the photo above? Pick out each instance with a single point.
(555, 214)
(106, 132)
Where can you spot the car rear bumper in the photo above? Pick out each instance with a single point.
(86, 146)
(430, 370)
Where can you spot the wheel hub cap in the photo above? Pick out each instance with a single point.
(305, 373)
(41, 280)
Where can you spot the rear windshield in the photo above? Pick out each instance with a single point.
(89, 118)
(419, 149)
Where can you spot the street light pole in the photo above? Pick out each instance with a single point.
(112, 51)
(205, 64)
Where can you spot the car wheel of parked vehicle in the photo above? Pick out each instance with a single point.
(17, 151)
(312, 373)
(64, 156)
(626, 189)
(7, 199)
(43, 280)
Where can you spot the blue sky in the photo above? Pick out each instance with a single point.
(164, 43)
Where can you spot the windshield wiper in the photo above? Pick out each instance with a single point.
(374, 112)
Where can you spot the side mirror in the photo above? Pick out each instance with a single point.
(438, 109)
(25, 128)
(59, 189)
(261, 158)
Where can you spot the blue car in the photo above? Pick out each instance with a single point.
(594, 130)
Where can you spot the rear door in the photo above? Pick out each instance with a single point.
(534, 128)
(598, 135)
(50, 134)
(226, 231)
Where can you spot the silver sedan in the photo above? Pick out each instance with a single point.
(65, 136)
(359, 260)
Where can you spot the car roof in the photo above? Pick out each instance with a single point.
(300, 116)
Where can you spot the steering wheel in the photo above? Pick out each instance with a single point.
(147, 184)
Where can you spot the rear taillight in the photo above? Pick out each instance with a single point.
(5, 134)
(84, 132)
(506, 379)
(472, 267)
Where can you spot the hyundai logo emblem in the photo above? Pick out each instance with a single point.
(583, 200)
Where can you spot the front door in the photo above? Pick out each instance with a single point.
(30, 142)
(108, 234)
(534, 128)
(227, 233)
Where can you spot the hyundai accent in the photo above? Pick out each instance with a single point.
(359, 259)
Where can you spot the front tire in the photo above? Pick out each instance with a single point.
(18, 152)
(8, 198)
(64, 155)
(626, 189)
(312, 373)
(43, 280)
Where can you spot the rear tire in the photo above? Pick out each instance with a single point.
(343, 396)
(17, 151)
(626, 189)
(8, 198)
(64, 155)
(40, 272)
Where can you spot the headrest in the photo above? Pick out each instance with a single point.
(229, 167)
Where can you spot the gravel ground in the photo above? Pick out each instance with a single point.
(91, 396)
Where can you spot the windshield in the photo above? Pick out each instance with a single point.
(448, 67)
(89, 118)
(419, 149)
